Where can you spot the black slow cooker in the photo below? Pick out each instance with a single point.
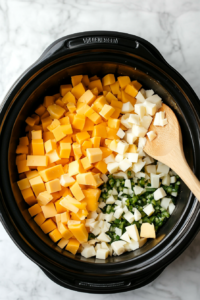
(98, 53)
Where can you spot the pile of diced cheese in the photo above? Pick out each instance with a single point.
(92, 128)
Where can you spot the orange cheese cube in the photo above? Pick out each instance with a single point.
(96, 84)
(64, 121)
(113, 145)
(76, 79)
(37, 185)
(69, 98)
(53, 156)
(110, 97)
(60, 103)
(127, 98)
(99, 131)
(133, 88)
(95, 77)
(38, 147)
(39, 219)
(105, 93)
(114, 123)
(99, 104)
(89, 125)
(96, 141)
(81, 137)
(95, 118)
(112, 133)
(86, 179)
(46, 122)
(88, 97)
(65, 217)
(83, 109)
(44, 198)
(80, 232)
(52, 173)
(79, 122)
(115, 88)
(107, 111)
(94, 155)
(49, 210)
(67, 139)
(65, 150)
(36, 134)
(64, 89)
(45, 115)
(59, 208)
(123, 81)
(72, 246)
(31, 174)
(37, 160)
(132, 149)
(68, 205)
(108, 79)
(50, 145)
(98, 181)
(74, 168)
(116, 113)
(21, 149)
(53, 186)
(77, 150)
(55, 235)
(40, 110)
(85, 80)
(92, 197)
(34, 210)
(71, 107)
(86, 164)
(48, 100)
(30, 121)
(85, 145)
(56, 111)
(24, 141)
(58, 132)
(82, 214)
(22, 166)
(62, 243)
(23, 184)
(105, 152)
(78, 90)
(29, 196)
(77, 192)
(67, 129)
(64, 231)
(48, 226)
(20, 158)
(106, 89)
(53, 125)
(101, 166)
(116, 104)
(95, 91)
(48, 136)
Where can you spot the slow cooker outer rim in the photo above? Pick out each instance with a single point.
(26, 73)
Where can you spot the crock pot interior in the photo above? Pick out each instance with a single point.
(50, 86)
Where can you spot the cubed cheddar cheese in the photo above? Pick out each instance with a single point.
(37, 160)
(48, 100)
(96, 141)
(65, 217)
(81, 137)
(99, 131)
(107, 111)
(53, 186)
(86, 179)
(64, 89)
(44, 198)
(114, 123)
(76, 79)
(49, 210)
(52, 173)
(64, 231)
(94, 155)
(38, 147)
(79, 122)
(65, 150)
(48, 226)
(23, 184)
(24, 141)
(55, 111)
(78, 90)
(55, 235)
(69, 98)
(115, 87)
(88, 97)
(80, 232)
(96, 84)
(37, 185)
(29, 196)
(39, 219)
(50, 145)
(59, 208)
(133, 88)
(108, 79)
(92, 197)
(40, 110)
(71, 107)
(85, 145)
(34, 210)
(77, 191)
(20, 157)
(86, 164)
(21, 149)
(62, 243)
(73, 246)
(123, 81)
(101, 166)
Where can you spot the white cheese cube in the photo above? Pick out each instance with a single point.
(125, 209)
(118, 247)
(140, 109)
(165, 202)
(102, 253)
(139, 131)
(138, 190)
(134, 119)
(109, 159)
(146, 121)
(104, 245)
(150, 169)
(157, 119)
(141, 96)
(88, 222)
(113, 167)
(162, 168)
(163, 122)
(149, 160)
(114, 191)
(118, 213)
(120, 175)
(147, 231)
(133, 232)
(130, 138)
(151, 108)
(127, 183)
(155, 99)
(125, 122)
(129, 217)
(141, 152)
(137, 215)
(151, 135)
(155, 181)
(140, 175)
(109, 217)
(66, 180)
(125, 237)
(125, 164)
(159, 193)
(149, 209)
(118, 231)
(104, 238)
(132, 157)
(88, 252)
(97, 247)
(174, 194)
(96, 230)
(104, 177)
(93, 215)
(137, 167)
(166, 179)
(122, 147)
(110, 200)
(127, 107)
(149, 93)
(119, 157)
(120, 133)
(142, 142)
(172, 179)
(102, 205)
(171, 208)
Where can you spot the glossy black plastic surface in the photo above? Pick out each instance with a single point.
(98, 53)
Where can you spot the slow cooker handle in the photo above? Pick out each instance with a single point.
(102, 40)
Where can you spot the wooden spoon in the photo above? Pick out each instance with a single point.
(167, 147)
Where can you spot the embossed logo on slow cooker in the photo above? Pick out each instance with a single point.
(89, 40)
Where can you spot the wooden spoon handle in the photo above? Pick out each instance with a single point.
(181, 167)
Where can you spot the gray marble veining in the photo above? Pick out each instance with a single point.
(26, 29)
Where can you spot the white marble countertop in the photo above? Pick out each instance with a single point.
(26, 29)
